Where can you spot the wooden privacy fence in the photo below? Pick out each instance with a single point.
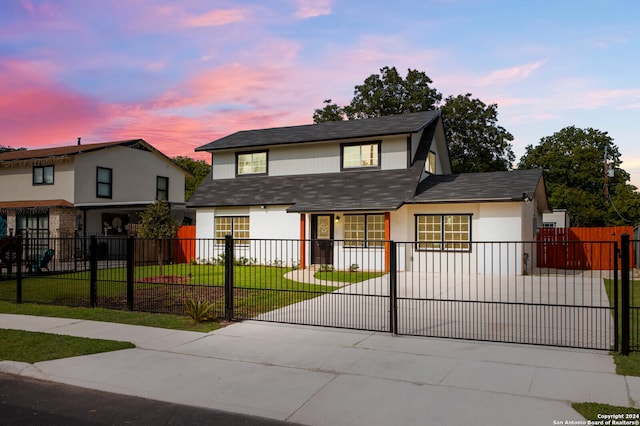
(575, 248)
(185, 247)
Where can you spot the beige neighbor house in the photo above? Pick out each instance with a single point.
(80, 190)
(362, 182)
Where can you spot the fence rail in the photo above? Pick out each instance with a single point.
(494, 291)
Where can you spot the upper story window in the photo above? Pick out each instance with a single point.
(360, 155)
(104, 182)
(430, 165)
(162, 188)
(43, 175)
(251, 163)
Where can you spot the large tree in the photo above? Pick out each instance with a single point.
(199, 169)
(476, 142)
(470, 125)
(575, 163)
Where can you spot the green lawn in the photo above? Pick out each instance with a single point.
(26, 346)
(257, 289)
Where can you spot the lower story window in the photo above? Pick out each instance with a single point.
(364, 230)
(443, 232)
(237, 226)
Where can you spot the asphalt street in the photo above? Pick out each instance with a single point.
(25, 401)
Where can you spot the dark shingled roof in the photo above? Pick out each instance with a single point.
(378, 126)
(475, 187)
(347, 191)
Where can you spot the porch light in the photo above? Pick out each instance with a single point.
(337, 219)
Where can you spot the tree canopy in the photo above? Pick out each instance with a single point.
(478, 143)
(199, 169)
(573, 161)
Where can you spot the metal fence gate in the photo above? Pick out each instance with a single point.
(491, 291)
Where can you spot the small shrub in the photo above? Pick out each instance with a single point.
(277, 263)
(354, 267)
(198, 310)
(326, 268)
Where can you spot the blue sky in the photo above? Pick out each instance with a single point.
(181, 74)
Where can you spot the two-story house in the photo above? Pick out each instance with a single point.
(92, 189)
(362, 182)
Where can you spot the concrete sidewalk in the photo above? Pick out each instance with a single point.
(322, 376)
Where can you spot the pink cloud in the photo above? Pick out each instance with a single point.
(215, 18)
(312, 8)
(34, 111)
(506, 75)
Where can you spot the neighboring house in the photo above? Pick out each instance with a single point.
(78, 190)
(558, 218)
(362, 182)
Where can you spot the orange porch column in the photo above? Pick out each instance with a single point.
(303, 243)
(387, 245)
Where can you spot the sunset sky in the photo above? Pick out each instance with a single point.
(183, 73)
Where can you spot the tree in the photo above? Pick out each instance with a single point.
(157, 224)
(4, 148)
(199, 169)
(471, 126)
(573, 161)
(476, 142)
(330, 112)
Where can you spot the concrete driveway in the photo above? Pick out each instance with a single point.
(551, 309)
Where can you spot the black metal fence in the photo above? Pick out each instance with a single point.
(493, 291)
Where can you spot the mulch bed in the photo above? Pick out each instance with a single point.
(170, 298)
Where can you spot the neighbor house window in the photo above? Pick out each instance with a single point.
(162, 188)
(237, 226)
(104, 182)
(443, 232)
(251, 163)
(364, 230)
(43, 175)
(361, 155)
(430, 166)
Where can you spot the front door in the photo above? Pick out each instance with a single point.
(322, 239)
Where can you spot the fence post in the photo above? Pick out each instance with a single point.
(228, 277)
(130, 270)
(625, 331)
(393, 288)
(93, 267)
(616, 302)
(18, 271)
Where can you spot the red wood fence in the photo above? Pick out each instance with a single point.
(185, 247)
(579, 248)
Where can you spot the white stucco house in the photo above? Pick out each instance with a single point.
(85, 189)
(360, 183)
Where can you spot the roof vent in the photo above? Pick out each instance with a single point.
(79, 141)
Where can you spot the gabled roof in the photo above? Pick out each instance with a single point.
(369, 190)
(514, 185)
(63, 150)
(336, 130)
(30, 155)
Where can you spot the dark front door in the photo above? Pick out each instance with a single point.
(322, 239)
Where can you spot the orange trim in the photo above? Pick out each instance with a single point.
(387, 237)
(303, 245)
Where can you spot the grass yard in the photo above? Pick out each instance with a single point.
(257, 289)
(628, 365)
(27, 346)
